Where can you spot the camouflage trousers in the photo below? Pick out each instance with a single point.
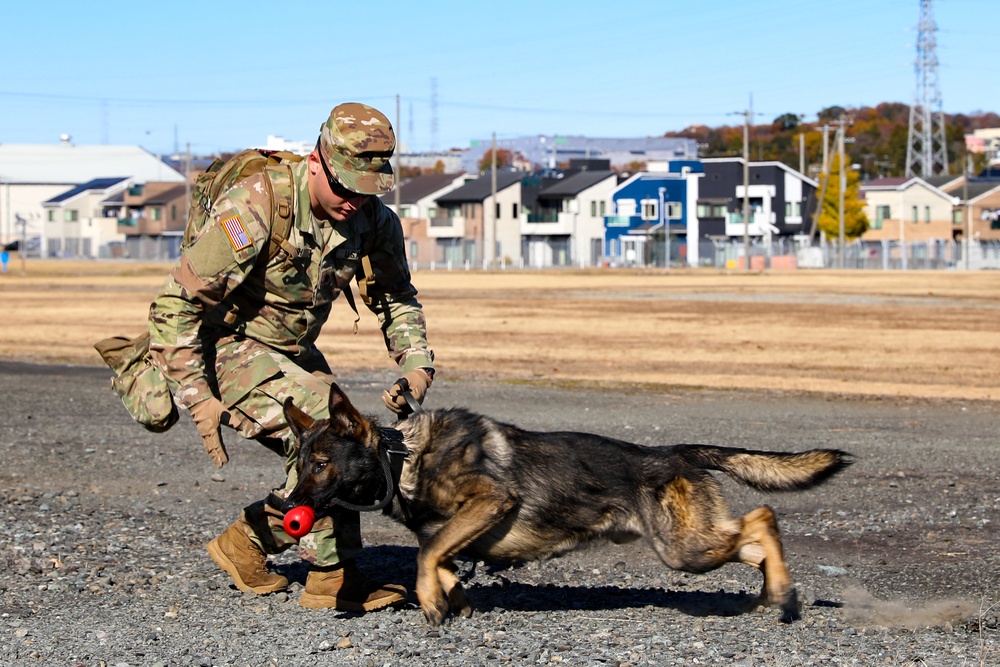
(254, 380)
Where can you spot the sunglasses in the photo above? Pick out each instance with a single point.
(335, 186)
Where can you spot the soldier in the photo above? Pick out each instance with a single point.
(235, 335)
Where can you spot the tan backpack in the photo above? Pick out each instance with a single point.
(223, 173)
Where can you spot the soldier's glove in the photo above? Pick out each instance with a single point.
(208, 416)
(416, 382)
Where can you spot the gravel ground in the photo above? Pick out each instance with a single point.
(896, 561)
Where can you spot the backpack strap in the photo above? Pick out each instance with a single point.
(282, 196)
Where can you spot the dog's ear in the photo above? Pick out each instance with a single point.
(298, 420)
(344, 418)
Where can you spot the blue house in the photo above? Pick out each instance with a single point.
(654, 213)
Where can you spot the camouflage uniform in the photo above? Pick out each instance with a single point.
(231, 324)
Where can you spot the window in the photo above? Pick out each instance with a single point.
(914, 214)
(72, 215)
(51, 215)
(497, 211)
(432, 212)
(956, 216)
(882, 213)
(514, 209)
(156, 213)
(593, 208)
(674, 210)
(927, 214)
(413, 249)
(650, 209)
(173, 211)
(712, 210)
(602, 209)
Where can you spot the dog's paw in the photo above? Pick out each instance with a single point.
(434, 614)
(458, 603)
(790, 609)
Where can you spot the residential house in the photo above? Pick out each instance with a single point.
(654, 217)
(475, 226)
(417, 207)
(907, 209)
(155, 215)
(983, 203)
(82, 220)
(565, 224)
(32, 174)
(779, 197)
(985, 140)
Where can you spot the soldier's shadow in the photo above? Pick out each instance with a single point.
(398, 564)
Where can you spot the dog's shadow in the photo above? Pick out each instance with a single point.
(398, 564)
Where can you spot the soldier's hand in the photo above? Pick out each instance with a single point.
(416, 381)
(208, 416)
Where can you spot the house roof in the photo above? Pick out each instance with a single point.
(157, 195)
(414, 189)
(67, 164)
(573, 185)
(481, 188)
(767, 163)
(887, 183)
(942, 180)
(95, 184)
(977, 188)
(902, 183)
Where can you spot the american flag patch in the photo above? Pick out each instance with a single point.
(237, 233)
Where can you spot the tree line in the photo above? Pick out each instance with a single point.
(877, 135)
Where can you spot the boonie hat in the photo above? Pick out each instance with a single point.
(356, 143)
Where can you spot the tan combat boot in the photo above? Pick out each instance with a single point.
(346, 588)
(244, 561)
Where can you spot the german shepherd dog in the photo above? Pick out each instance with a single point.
(494, 492)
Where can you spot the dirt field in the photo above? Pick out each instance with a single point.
(915, 334)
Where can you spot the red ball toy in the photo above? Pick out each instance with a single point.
(299, 520)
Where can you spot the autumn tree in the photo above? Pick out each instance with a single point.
(504, 159)
(855, 220)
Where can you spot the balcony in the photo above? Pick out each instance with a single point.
(446, 227)
(141, 227)
(761, 223)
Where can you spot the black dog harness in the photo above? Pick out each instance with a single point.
(392, 452)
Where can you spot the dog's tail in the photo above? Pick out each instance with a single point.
(768, 471)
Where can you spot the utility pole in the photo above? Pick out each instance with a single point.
(802, 153)
(824, 179)
(746, 189)
(493, 208)
(966, 209)
(398, 156)
(187, 179)
(840, 196)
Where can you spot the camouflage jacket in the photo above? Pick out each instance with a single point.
(223, 288)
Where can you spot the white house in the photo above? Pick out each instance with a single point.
(31, 174)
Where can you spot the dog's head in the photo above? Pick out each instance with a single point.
(338, 456)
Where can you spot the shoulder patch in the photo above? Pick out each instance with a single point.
(237, 233)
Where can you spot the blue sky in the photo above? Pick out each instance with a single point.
(222, 75)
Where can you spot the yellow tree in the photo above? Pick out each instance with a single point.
(855, 220)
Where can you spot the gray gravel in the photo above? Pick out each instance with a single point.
(104, 527)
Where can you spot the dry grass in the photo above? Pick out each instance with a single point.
(914, 334)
